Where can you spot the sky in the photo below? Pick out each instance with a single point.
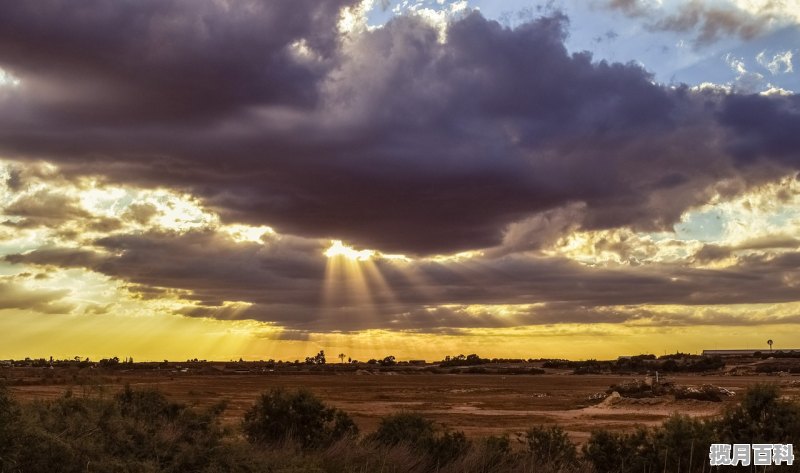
(222, 179)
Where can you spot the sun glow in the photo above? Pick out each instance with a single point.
(338, 248)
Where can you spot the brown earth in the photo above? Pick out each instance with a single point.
(477, 404)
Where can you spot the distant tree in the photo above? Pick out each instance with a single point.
(462, 360)
(388, 361)
(109, 362)
(341, 357)
(318, 359)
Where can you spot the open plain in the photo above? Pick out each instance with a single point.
(478, 404)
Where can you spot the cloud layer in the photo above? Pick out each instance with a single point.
(399, 138)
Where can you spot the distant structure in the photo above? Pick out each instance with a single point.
(741, 352)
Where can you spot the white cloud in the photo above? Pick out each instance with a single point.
(747, 82)
(780, 63)
(8, 80)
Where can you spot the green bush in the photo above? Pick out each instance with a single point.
(550, 445)
(493, 452)
(298, 416)
(621, 452)
(677, 442)
(762, 416)
(8, 421)
(136, 431)
(447, 447)
(404, 427)
(605, 450)
(422, 436)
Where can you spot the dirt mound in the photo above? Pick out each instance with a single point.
(612, 399)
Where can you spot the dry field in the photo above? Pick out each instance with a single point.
(476, 404)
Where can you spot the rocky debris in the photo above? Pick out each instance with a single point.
(598, 396)
(638, 389)
(706, 392)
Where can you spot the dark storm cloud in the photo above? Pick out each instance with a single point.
(764, 127)
(283, 281)
(135, 62)
(389, 139)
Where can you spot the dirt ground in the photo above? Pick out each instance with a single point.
(477, 404)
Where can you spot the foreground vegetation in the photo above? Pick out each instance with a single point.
(293, 431)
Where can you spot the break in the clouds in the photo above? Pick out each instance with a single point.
(209, 151)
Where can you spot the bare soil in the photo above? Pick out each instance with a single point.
(477, 404)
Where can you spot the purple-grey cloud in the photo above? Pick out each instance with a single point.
(389, 139)
(284, 282)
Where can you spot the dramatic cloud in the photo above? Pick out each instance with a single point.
(283, 280)
(388, 138)
(209, 151)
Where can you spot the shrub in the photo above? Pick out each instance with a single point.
(679, 439)
(404, 427)
(494, 451)
(8, 420)
(550, 445)
(447, 447)
(604, 450)
(622, 453)
(761, 417)
(299, 416)
(134, 431)
(422, 436)
(146, 404)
